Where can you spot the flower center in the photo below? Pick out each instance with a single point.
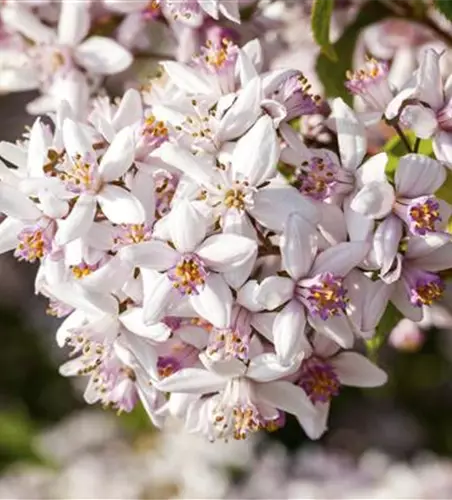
(371, 83)
(317, 178)
(82, 270)
(216, 57)
(81, 176)
(319, 380)
(165, 187)
(152, 10)
(427, 289)
(189, 275)
(33, 244)
(234, 198)
(154, 128)
(326, 296)
(167, 365)
(226, 343)
(130, 234)
(243, 420)
(424, 215)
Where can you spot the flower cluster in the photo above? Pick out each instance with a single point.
(207, 260)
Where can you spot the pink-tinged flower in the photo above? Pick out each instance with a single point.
(371, 84)
(191, 266)
(192, 12)
(412, 199)
(239, 191)
(91, 183)
(293, 93)
(409, 278)
(231, 399)
(57, 53)
(429, 112)
(323, 373)
(407, 336)
(315, 290)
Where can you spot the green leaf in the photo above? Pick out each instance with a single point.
(388, 321)
(396, 147)
(320, 24)
(445, 7)
(332, 73)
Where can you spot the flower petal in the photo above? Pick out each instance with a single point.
(119, 156)
(192, 381)
(102, 56)
(356, 370)
(274, 291)
(299, 244)
(266, 367)
(289, 333)
(186, 78)
(273, 204)
(132, 319)
(340, 259)
(224, 252)
(374, 200)
(74, 23)
(337, 328)
(75, 140)
(351, 135)
(120, 206)
(292, 399)
(79, 220)
(15, 204)
(157, 299)
(214, 302)
(154, 254)
(386, 242)
(257, 152)
(188, 226)
(418, 175)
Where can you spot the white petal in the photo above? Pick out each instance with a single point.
(223, 252)
(437, 260)
(120, 206)
(340, 259)
(187, 78)
(247, 296)
(198, 168)
(25, 22)
(15, 154)
(256, 154)
(157, 299)
(373, 170)
(289, 332)
(263, 323)
(418, 175)
(273, 205)
(243, 113)
(442, 146)
(332, 225)
(266, 367)
(386, 242)
(132, 319)
(421, 120)
(130, 110)
(359, 227)
(229, 368)
(337, 328)
(400, 299)
(154, 254)
(375, 199)
(9, 230)
(356, 370)
(376, 297)
(15, 204)
(110, 277)
(74, 320)
(351, 135)
(430, 84)
(274, 291)
(119, 156)
(214, 302)
(102, 56)
(74, 23)
(188, 226)
(75, 140)
(79, 220)
(192, 381)
(290, 398)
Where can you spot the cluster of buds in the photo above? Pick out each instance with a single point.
(205, 260)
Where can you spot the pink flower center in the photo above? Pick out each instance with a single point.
(188, 275)
(428, 288)
(319, 380)
(130, 234)
(424, 215)
(325, 296)
(294, 93)
(167, 365)
(34, 244)
(226, 343)
(317, 178)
